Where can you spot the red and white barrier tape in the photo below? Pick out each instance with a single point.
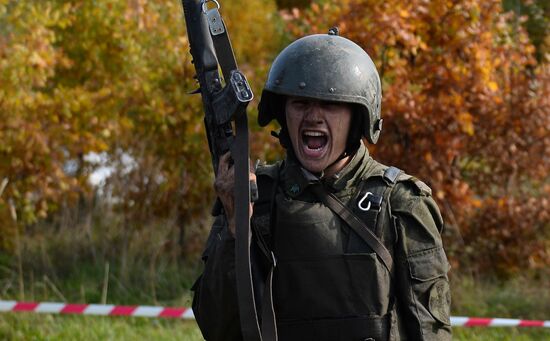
(95, 309)
(460, 321)
(187, 313)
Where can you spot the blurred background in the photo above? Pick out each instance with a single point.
(105, 175)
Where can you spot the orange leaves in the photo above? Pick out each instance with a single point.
(315, 8)
(36, 60)
(493, 86)
(506, 229)
(404, 14)
(428, 157)
(465, 121)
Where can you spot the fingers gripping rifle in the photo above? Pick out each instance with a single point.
(225, 107)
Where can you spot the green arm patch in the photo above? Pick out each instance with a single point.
(440, 301)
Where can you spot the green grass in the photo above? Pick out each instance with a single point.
(27, 326)
(145, 267)
(104, 265)
(518, 298)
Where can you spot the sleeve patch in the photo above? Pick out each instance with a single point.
(440, 302)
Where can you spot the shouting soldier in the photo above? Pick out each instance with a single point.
(354, 246)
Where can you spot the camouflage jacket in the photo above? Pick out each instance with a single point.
(328, 284)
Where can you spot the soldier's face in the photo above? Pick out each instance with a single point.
(318, 131)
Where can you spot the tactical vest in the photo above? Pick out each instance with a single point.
(328, 283)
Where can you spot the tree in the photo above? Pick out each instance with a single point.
(111, 77)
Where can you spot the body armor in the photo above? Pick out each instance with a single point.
(324, 290)
(328, 282)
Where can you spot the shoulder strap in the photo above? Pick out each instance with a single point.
(356, 224)
(391, 174)
(372, 192)
(268, 178)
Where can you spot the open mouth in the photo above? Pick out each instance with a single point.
(314, 142)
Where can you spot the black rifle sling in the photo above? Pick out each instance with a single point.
(356, 224)
(222, 43)
(245, 294)
(239, 152)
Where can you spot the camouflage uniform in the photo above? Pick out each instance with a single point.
(328, 283)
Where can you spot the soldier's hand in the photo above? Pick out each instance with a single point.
(224, 186)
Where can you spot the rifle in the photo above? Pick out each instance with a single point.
(225, 101)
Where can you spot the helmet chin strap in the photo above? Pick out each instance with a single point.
(346, 153)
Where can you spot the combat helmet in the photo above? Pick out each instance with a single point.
(325, 67)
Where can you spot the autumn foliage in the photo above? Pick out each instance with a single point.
(87, 85)
(104, 84)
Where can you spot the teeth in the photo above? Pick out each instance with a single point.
(313, 133)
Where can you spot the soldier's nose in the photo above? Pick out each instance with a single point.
(313, 114)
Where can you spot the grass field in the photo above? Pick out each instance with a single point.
(59, 265)
(518, 298)
(26, 326)
(475, 297)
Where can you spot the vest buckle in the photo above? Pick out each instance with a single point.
(374, 202)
